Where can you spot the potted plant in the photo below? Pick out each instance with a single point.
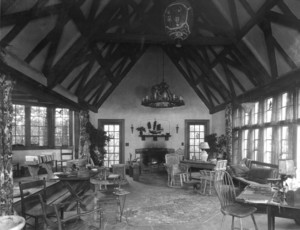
(141, 129)
(217, 146)
(98, 140)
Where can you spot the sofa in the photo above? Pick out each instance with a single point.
(250, 172)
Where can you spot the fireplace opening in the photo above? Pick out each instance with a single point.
(152, 159)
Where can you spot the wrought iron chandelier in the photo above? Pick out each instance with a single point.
(161, 96)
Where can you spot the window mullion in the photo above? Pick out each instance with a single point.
(27, 126)
(50, 119)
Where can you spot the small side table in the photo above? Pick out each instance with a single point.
(121, 196)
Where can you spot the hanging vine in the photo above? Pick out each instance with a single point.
(6, 115)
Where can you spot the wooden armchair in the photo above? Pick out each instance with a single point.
(30, 206)
(207, 176)
(60, 222)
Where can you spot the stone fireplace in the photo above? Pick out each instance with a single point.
(152, 159)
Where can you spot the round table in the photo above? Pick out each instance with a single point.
(12, 222)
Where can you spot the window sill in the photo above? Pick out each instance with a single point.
(34, 147)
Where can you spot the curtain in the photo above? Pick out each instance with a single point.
(228, 131)
(289, 108)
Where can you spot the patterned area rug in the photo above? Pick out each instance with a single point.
(157, 205)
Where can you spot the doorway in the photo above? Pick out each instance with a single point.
(195, 132)
(114, 128)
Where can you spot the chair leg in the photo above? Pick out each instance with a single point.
(252, 216)
(36, 223)
(232, 223)
(181, 183)
(223, 218)
(241, 223)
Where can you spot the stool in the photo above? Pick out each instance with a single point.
(195, 183)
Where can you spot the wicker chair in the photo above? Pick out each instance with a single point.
(207, 176)
(226, 193)
(177, 173)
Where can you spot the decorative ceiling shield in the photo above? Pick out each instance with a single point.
(178, 20)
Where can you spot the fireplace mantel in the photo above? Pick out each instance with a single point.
(151, 150)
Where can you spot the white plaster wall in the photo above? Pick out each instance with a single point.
(125, 103)
(218, 123)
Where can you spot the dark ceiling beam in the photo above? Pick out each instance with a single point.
(98, 92)
(173, 58)
(211, 76)
(286, 10)
(95, 80)
(241, 67)
(235, 79)
(13, 33)
(160, 39)
(281, 19)
(256, 19)
(285, 56)
(134, 58)
(20, 25)
(14, 18)
(266, 27)
(287, 82)
(259, 15)
(5, 5)
(81, 77)
(62, 20)
(243, 51)
(83, 26)
(271, 39)
(81, 43)
(229, 81)
(247, 7)
(234, 16)
(38, 90)
(93, 11)
(200, 77)
(39, 47)
(57, 72)
(100, 73)
(205, 83)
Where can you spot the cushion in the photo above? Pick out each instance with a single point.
(260, 175)
(239, 170)
(246, 162)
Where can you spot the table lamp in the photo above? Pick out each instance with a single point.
(203, 153)
(286, 170)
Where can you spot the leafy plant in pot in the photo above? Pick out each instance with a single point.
(98, 139)
(217, 146)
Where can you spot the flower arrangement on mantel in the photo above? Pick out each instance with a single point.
(141, 129)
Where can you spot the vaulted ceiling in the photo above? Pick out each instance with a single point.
(238, 49)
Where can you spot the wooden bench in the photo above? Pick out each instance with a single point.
(259, 167)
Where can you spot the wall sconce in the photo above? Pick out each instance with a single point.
(177, 128)
(132, 128)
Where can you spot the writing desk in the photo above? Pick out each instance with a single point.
(198, 164)
(264, 196)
